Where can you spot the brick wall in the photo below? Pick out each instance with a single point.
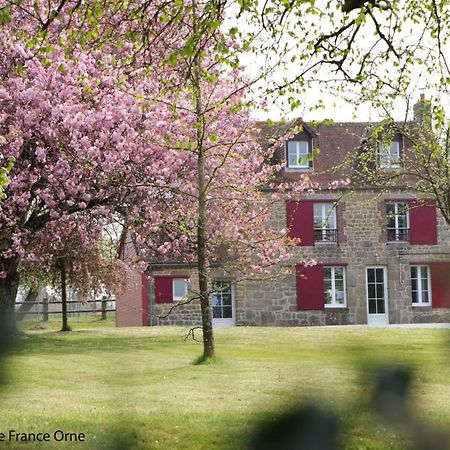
(129, 303)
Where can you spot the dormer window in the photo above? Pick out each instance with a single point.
(299, 154)
(390, 154)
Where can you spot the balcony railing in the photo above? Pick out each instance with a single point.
(325, 235)
(398, 234)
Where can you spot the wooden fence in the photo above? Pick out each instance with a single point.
(46, 307)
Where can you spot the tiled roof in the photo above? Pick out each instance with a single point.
(336, 141)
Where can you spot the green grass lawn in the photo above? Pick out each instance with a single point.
(139, 384)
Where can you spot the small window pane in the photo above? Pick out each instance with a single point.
(380, 291)
(318, 210)
(402, 222)
(217, 312)
(226, 299)
(293, 160)
(227, 312)
(340, 297)
(304, 147)
(379, 275)
(395, 151)
(380, 306)
(390, 208)
(339, 285)
(179, 288)
(339, 273)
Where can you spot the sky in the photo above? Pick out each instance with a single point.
(336, 107)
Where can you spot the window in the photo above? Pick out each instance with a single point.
(390, 155)
(397, 215)
(334, 286)
(325, 229)
(420, 286)
(299, 155)
(179, 289)
(221, 300)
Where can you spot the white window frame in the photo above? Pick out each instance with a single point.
(325, 219)
(390, 157)
(420, 301)
(396, 218)
(306, 158)
(333, 303)
(186, 287)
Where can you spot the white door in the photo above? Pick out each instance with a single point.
(377, 298)
(222, 300)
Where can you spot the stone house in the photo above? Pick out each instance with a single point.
(383, 255)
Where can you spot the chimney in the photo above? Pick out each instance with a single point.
(422, 110)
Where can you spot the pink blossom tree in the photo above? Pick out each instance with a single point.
(217, 204)
(79, 139)
(82, 256)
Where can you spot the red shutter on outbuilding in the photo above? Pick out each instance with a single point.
(423, 222)
(300, 221)
(163, 289)
(310, 287)
(440, 284)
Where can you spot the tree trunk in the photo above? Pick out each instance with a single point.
(27, 304)
(208, 335)
(65, 325)
(8, 293)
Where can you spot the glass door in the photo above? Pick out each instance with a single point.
(222, 302)
(377, 305)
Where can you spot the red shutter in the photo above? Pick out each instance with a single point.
(440, 285)
(163, 289)
(144, 299)
(300, 221)
(310, 287)
(423, 220)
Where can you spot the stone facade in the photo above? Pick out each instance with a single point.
(362, 242)
(273, 303)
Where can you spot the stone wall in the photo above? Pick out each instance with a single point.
(273, 303)
(364, 245)
(186, 315)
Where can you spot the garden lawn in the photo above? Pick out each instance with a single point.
(137, 388)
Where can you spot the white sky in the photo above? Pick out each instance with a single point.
(336, 107)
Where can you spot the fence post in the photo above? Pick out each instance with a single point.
(45, 309)
(104, 301)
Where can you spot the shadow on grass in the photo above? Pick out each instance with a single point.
(87, 342)
(208, 361)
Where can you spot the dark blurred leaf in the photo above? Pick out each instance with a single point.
(306, 428)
